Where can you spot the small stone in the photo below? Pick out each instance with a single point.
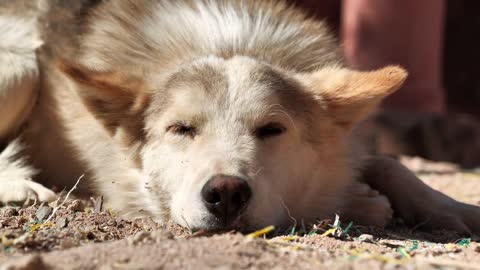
(477, 249)
(61, 222)
(43, 212)
(111, 223)
(76, 206)
(91, 236)
(98, 204)
(438, 249)
(367, 238)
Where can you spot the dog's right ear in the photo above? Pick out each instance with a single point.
(348, 95)
(111, 96)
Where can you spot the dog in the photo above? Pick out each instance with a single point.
(214, 114)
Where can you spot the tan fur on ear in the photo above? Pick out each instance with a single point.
(349, 95)
(116, 99)
(110, 83)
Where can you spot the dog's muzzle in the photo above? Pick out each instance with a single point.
(226, 197)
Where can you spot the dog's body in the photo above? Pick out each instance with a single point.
(212, 113)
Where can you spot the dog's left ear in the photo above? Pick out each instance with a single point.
(348, 95)
(114, 98)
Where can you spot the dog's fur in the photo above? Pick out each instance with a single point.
(150, 99)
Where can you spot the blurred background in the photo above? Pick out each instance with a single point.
(438, 42)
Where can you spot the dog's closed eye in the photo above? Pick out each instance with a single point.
(182, 129)
(269, 130)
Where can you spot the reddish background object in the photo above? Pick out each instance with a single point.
(461, 49)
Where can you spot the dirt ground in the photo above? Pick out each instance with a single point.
(81, 234)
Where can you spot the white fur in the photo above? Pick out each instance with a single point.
(18, 71)
(16, 183)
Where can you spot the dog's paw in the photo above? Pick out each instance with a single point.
(442, 212)
(16, 185)
(416, 203)
(24, 191)
(367, 207)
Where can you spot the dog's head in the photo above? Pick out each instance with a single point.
(237, 142)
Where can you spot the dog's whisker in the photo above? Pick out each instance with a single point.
(288, 212)
(186, 222)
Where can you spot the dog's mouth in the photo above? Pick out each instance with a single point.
(238, 223)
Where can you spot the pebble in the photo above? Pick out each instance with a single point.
(61, 222)
(76, 206)
(111, 222)
(43, 212)
(98, 204)
(367, 238)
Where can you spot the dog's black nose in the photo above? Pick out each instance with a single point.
(226, 196)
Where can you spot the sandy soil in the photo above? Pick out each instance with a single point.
(83, 235)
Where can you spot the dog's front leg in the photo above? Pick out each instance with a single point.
(417, 203)
(16, 183)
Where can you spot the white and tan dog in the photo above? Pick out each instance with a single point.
(216, 114)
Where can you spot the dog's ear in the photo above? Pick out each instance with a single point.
(112, 97)
(348, 95)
